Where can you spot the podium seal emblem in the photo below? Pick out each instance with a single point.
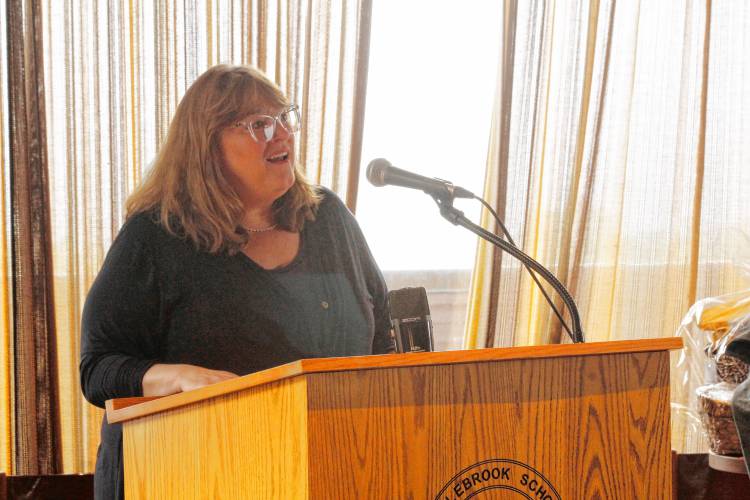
(498, 474)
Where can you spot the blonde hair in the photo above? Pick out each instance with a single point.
(186, 188)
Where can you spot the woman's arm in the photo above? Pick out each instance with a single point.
(123, 317)
(123, 325)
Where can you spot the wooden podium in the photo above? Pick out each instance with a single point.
(561, 421)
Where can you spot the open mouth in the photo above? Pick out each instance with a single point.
(278, 158)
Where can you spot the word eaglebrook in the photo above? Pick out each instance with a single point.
(498, 474)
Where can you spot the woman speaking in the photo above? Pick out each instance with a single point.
(229, 262)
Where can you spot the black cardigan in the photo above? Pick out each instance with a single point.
(159, 300)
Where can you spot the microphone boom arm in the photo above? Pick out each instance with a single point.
(457, 217)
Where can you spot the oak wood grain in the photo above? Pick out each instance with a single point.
(112, 405)
(249, 444)
(129, 408)
(595, 427)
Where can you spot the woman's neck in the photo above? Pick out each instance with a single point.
(258, 217)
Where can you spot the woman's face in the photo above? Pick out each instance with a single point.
(261, 169)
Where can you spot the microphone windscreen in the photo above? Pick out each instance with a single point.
(410, 319)
(410, 302)
(376, 171)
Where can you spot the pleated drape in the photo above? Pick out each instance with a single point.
(36, 426)
(6, 273)
(618, 158)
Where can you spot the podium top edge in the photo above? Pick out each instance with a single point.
(120, 410)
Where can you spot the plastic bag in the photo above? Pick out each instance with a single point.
(706, 330)
(715, 409)
(730, 368)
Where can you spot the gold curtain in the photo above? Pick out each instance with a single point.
(115, 72)
(618, 158)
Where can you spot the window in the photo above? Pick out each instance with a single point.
(432, 76)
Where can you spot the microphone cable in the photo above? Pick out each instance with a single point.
(531, 272)
(380, 172)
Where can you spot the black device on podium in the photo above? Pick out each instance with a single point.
(411, 323)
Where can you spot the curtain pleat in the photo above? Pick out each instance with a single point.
(595, 148)
(359, 93)
(618, 159)
(481, 323)
(6, 272)
(588, 161)
(115, 73)
(36, 424)
(700, 161)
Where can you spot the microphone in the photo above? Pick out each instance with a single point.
(380, 172)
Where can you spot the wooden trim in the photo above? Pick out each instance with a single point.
(117, 404)
(492, 354)
(120, 410)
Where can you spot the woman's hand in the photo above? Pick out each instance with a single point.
(163, 379)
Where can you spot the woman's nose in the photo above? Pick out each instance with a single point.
(280, 132)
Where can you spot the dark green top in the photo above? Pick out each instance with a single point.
(158, 299)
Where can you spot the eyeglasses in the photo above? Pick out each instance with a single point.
(263, 127)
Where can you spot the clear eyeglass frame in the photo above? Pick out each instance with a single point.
(262, 128)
